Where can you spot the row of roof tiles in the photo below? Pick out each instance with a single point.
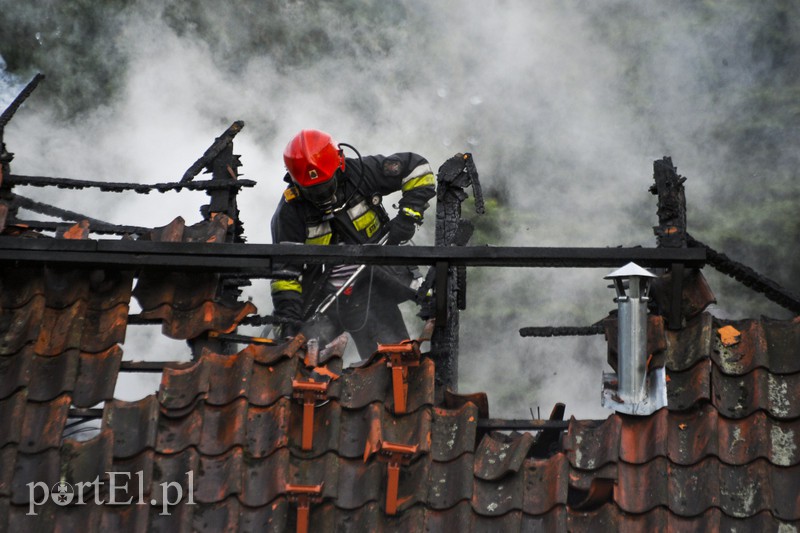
(348, 483)
(232, 515)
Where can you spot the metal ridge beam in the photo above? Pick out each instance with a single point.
(235, 257)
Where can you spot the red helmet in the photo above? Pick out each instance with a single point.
(312, 159)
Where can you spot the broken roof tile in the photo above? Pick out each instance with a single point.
(133, 424)
(590, 488)
(172, 232)
(191, 323)
(180, 387)
(213, 230)
(268, 354)
(590, 446)
(498, 455)
(78, 231)
(84, 461)
(453, 400)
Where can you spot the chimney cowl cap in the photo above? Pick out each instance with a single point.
(630, 270)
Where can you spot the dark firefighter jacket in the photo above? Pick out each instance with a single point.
(362, 220)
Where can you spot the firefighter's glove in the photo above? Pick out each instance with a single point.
(403, 226)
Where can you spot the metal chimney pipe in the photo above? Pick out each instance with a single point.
(632, 331)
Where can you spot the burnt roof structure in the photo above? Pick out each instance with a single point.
(256, 436)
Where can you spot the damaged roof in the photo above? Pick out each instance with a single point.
(282, 438)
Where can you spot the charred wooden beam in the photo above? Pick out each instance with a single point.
(561, 331)
(671, 229)
(5, 156)
(455, 175)
(749, 277)
(119, 186)
(257, 259)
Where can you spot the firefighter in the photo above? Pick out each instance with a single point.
(330, 200)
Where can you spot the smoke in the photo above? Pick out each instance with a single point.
(564, 107)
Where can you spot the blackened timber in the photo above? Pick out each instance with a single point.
(561, 331)
(455, 175)
(503, 424)
(151, 366)
(218, 146)
(749, 277)
(140, 188)
(8, 114)
(257, 258)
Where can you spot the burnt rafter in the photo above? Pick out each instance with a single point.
(5, 156)
(748, 277)
(216, 149)
(140, 188)
(668, 186)
(561, 331)
(8, 113)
